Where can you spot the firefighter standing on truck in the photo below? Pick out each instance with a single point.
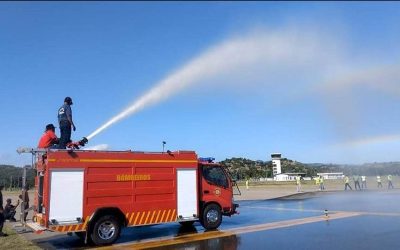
(65, 122)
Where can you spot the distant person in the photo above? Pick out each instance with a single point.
(9, 211)
(298, 183)
(356, 180)
(379, 181)
(49, 138)
(1, 213)
(247, 184)
(363, 182)
(346, 183)
(317, 182)
(390, 184)
(321, 183)
(65, 122)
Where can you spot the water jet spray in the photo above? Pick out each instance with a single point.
(269, 49)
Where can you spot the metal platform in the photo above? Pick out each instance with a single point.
(35, 226)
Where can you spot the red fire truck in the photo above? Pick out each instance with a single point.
(97, 193)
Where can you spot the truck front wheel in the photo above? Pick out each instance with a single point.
(186, 223)
(106, 230)
(212, 217)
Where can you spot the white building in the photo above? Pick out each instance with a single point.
(276, 164)
(331, 176)
(288, 176)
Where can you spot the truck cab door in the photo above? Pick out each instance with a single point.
(216, 186)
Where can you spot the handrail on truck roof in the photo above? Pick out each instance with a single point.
(22, 150)
(26, 150)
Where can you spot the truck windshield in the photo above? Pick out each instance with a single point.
(215, 175)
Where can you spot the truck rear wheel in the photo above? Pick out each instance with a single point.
(106, 230)
(212, 217)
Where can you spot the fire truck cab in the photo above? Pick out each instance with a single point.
(97, 193)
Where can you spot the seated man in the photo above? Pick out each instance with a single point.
(9, 211)
(49, 138)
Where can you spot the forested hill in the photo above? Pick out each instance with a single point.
(242, 168)
(11, 176)
(369, 169)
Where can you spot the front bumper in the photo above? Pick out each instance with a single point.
(232, 210)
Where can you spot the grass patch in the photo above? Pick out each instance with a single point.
(15, 241)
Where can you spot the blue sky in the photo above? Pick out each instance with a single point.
(315, 81)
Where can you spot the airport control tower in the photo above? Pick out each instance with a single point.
(276, 163)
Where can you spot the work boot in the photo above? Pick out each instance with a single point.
(3, 234)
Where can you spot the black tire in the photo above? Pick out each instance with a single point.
(211, 217)
(81, 235)
(186, 223)
(105, 231)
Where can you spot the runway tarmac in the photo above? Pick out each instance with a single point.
(353, 220)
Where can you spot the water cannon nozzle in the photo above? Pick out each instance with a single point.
(83, 142)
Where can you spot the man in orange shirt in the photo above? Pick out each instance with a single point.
(49, 137)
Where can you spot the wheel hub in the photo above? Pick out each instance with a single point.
(212, 216)
(106, 230)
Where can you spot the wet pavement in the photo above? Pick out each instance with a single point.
(356, 220)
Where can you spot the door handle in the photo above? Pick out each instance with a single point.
(206, 191)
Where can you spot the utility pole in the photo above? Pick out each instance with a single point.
(24, 177)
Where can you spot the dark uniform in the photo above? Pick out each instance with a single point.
(65, 122)
(9, 211)
(1, 213)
